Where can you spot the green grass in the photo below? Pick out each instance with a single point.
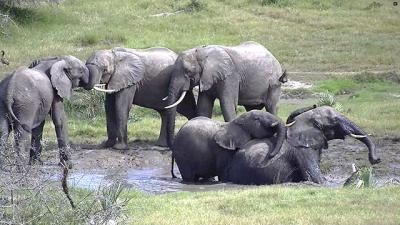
(372, 101)
(305, 35)
(268, 205)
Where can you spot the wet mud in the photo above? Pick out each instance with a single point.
(146, 167)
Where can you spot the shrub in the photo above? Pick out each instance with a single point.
(329, 99)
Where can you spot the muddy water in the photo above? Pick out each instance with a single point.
(150, 180)
(147, 168)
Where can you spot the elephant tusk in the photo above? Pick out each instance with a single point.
(100, 87)
(356, 136)
(164, 99)
(274, 124)
(179, 101)
(290, 124)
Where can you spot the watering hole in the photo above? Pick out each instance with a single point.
(146, 167)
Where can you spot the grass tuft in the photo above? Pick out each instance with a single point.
(328, 99)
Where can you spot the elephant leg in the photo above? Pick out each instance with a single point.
(205, 105)
(271, 104)
(123, 104)
(228, 108)
(162, 138)
(61, 127)
(110, 109)
(36, 146)
(228, 94)
(252, 107)
(21, 141)
(187, 174)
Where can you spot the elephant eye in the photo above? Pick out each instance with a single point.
(186, 70)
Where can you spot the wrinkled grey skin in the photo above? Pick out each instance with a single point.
(140, 77)
(247, 75)
(203, 148)
(3, 60)
(299, 157)
(28, 95)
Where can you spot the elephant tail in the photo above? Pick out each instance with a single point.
(10, 101)
(283, 78)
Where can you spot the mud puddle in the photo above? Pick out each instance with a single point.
(146, 167)
(149, 180)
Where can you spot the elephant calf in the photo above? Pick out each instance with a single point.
(28, 95)
(203, 148)
(309, 130)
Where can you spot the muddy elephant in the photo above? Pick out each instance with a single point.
(203, 148)
(139, 77)
(28, 95)
(308, 132)
(3, 60)
(247, 75)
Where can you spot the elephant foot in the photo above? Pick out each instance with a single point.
(162, 143)
(107, 144)
(121, 146)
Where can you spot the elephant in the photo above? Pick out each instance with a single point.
(203, 147)
(3, 60)
(248, 75)
(139, 77)
(308, 132)
(28, 95)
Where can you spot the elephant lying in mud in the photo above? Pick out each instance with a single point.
(28, 95)
(137, 77)
(3, 60)
(203, 148)
(247, 74)
(308, 132)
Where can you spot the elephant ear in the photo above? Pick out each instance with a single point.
(312, 137)
(231, 137)
(59, 79)
(217, 65)
(129, 70)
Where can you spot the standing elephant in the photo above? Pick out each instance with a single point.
(3, 60)
(308, 132)
(28, 95)
(203, 148)
(247, 75)
(139, 77)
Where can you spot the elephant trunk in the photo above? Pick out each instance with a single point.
(294, 114)
(353, 130)
(84, 81)
(94, 76)
(171, 119)
(281, 137)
